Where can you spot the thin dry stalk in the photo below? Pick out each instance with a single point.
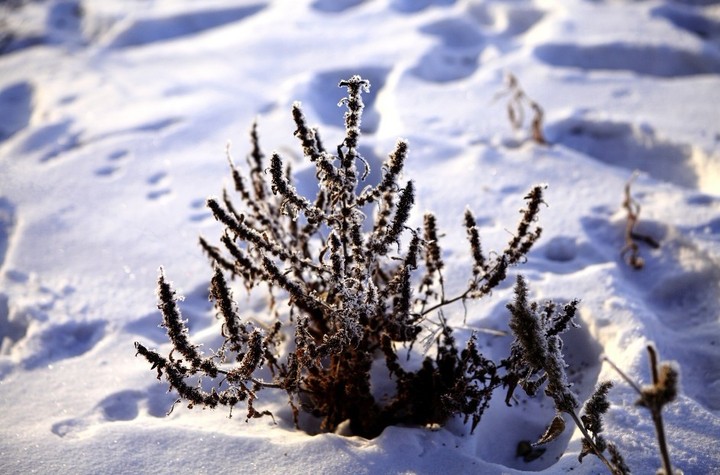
(632, 207)
(517, 101)
(664, 389)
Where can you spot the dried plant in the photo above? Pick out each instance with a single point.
(631, 248)
(354, 297)
(517, 101)
(360, 291)
(536, 360)
(662, 391)
(591, 426)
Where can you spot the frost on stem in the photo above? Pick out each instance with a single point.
(536, 353)
(360, 285)
(179, 373)
(591, 426)
(655, 396)
(593, 411)
(536, 360)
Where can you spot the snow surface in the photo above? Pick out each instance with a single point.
(114, 118)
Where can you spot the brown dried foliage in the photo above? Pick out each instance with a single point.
(631, 251)
(517, 101)
(357, 294)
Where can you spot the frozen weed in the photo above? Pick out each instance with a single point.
(517, 101)
(357, 293)
(631, 248)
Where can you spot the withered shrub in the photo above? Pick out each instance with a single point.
(359, 289)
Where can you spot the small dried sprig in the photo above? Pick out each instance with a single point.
(631, 248)
(536, 359)
(312, 148)
(433, 259)
(516, 103)
(488, 273)
(662, 391)
(234, 331)
(473, 235)
(593, 442)
(353, 116)
(526, 236)
(593, 411)
(291, 198)
(617, 459)
(177, 331)
(536, 352)
(392, 169)
(249, 346)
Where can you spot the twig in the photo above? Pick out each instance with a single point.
(663, 390)
(631, 236)
(596, 451)
(517, 100)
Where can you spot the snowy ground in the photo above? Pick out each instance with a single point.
(114, 118)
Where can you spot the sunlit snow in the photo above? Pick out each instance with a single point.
(115, 117)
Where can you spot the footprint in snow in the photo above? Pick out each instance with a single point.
(155, 400)
(680, 282)
(124, 405)
(129, 404)
(415, 6)
(462, 40)
(11, 329)
(565, 255)
(24, 338)
(160, 184)
(115, 158)
(113, 166)
(154, 127)
(690, 20)
(7, 227)
(636, 148)
(199, 212)
(16, 104)
(679, 285)
(687, 295)
(335, 6)
(51, 141)
(64, 22)
(663, 61)
(153, 30)
(157, 194)
(700, 376)
(61, 341)
(157, 178)
(457, 54)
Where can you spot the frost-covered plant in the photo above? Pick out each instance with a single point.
(361, 289)
(536, 360)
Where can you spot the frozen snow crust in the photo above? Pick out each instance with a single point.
(114, 118)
